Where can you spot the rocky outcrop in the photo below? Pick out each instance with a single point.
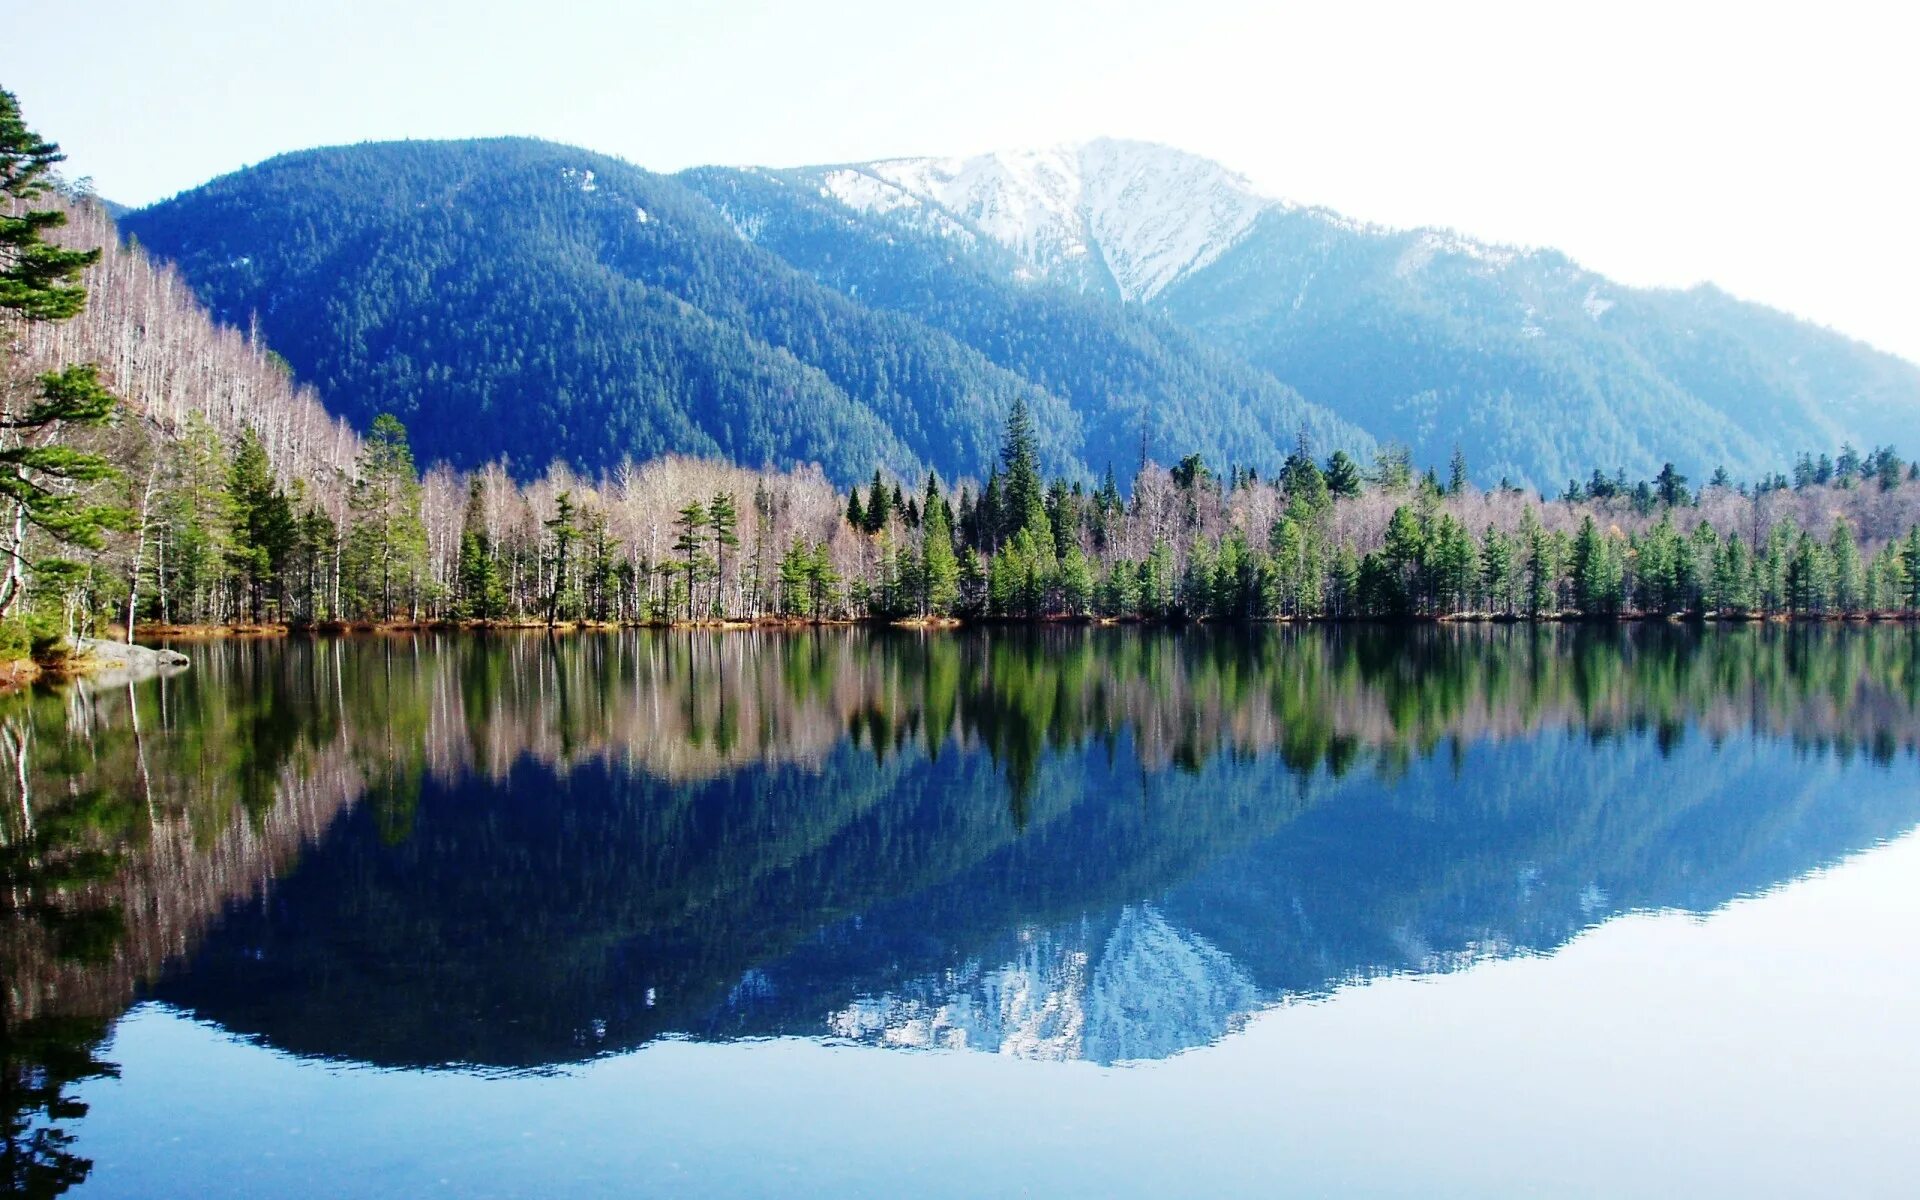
(118, 662)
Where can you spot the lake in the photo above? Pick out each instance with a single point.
(1453, 911)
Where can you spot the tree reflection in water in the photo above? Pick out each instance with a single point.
(515, 850)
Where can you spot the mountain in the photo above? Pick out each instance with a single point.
(517, 298)
(1131, 374)
(1537, 369)
(1123, 219)
(521, 298)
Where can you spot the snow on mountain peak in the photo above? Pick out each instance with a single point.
(1130, 216)
(1135, 989)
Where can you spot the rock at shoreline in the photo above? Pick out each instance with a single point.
(120, 658)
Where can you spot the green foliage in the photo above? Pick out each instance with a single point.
(38, 279)
(1419, 339)
(42, 474)
(387, 546)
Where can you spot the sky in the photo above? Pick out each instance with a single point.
(1771, 152)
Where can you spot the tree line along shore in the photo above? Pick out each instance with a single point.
(167, 473)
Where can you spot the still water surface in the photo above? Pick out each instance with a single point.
(1464, 911)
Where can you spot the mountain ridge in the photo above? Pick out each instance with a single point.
(1140, 298)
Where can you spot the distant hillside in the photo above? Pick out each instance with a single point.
(1539, 370)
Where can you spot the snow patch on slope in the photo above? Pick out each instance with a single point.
(1145, 990)
(1130, 215)
(1429, 244)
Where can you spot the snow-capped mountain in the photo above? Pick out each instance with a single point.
(1137, 990)
(1123, 217)
(888, 313)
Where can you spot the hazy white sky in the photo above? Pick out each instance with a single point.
(1771, 152)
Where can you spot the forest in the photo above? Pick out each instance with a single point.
(165, 470)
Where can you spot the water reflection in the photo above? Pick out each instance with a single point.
(1099, 844)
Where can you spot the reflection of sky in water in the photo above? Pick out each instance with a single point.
(1767, 1049)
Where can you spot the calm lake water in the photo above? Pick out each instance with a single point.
(1473, 911)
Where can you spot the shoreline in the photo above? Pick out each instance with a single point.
(745, 624)
(86, 661)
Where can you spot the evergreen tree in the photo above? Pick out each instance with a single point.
(41, 473)
(1671, 486)
(879, 506)
(1343, 476)
(723, 521)
(481, 596)
(1393, 468)
(1542, 565)
(263, 522)
(1596, 571)
(939, 572)
(1022, 496)
(1404, 557)
(1497, 574)
(1809, 581)
(1910, 562)
(563, 530)
(1888, 471)
(794, 570)
(691, 545)
(1730, 593)
(1076, 582)
(1107, 499)
(389, 541)
(1843, 554)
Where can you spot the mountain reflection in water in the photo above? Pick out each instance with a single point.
(1101, 844)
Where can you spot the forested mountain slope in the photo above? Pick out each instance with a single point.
(513, 297)
(1538, 369)
(520, 298)
(1129, 372)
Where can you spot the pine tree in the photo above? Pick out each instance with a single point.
(1730, 593)
(39, 281)
(939, 570)
(1671, 486)
(723, 520)
(793, 579)
(564, 531)
(389, 542)
(1542, 564)
(691, 546)
(1497, 571)
(263, 522)
(1809, 576)
(1596, 571)
(878, 505)
(1910, 562)
(1022, 497)
(1404, 555)
(1843, 553)
(1343, 476)
(479, 576)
